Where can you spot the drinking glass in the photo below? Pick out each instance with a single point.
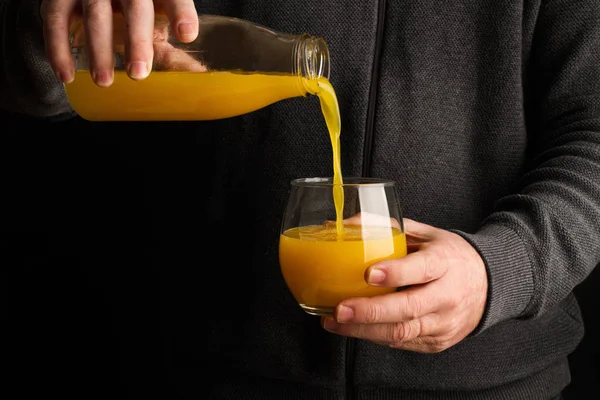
(331, 233)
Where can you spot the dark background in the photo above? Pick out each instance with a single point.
(82, 293)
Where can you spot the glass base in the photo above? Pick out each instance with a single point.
(318, 310)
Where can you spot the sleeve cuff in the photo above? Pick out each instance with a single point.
(509, 272)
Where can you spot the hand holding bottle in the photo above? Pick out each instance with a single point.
(97, 18)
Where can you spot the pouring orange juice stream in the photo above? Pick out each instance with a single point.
(331, 112)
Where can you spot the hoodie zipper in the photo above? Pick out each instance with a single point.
(368, 144)
(370, 125)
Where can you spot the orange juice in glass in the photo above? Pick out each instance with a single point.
(323, 262)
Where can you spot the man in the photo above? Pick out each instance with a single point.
(486, 114)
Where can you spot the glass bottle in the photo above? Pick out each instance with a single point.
(233, 67)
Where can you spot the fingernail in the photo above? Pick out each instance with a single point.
(138, 70)
(344, 314)
(102, 78)
(330, 324)
(185, 29)
(65, 76)
(376, 276)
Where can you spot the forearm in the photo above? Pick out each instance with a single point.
(544, 240)
(27, 83)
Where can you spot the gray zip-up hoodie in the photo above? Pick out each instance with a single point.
(486, 114)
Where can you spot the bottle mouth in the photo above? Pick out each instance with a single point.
(314, 58)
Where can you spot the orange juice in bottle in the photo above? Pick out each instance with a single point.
(234, 67)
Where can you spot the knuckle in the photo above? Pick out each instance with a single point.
(140, 48)
(398, 346)
(374, 313)
(54, 20)
(95, 7)
(453, 302)
(135, 8)
(429, 269)
(453, 326)
(413, 306)
(143, 41)
(92, 4)
(400, 332)
(405, 331)
(358, 331)
(437, 347)
(439, 343)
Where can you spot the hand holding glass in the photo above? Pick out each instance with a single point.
(331, 234)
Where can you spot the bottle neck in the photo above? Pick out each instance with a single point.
(312, 62)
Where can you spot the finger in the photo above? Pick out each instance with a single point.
(183, 18)
(98, 31)
(139, 27)
(427, 344)
(416, 234)
(417, 231)
(169, 58)
(413, 269)
(412, 303)
(55, 17)
(415, 334)
(416, 227)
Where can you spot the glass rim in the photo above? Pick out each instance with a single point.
(353, 181)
